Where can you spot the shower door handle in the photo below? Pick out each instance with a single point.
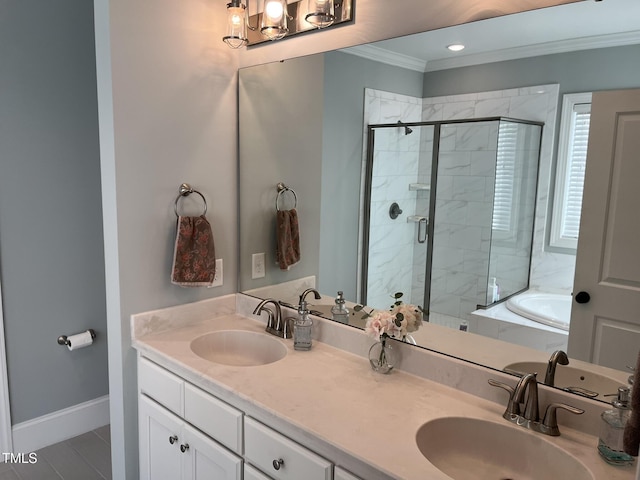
(422, 238)
(582, 297)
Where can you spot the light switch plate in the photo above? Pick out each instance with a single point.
(257, 265)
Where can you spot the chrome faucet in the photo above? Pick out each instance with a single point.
(528, 384)
(557, 357)
(526, 392)
(275, 324)
(302, 305)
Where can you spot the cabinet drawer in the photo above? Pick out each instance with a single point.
(251, 473)
(164, 387)
(220, 421)
(340, 474)
(263, 446)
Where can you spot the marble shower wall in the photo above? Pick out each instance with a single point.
(392, 255)
(395, 240)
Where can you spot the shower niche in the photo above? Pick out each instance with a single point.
(467, 192)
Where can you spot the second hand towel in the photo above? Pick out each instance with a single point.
(194, 256)
(288, 238)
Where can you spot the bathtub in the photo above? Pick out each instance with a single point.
(549, 309)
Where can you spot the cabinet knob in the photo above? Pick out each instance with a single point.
(278, 463)
(184, 447)
(173, 439)
(583, 297)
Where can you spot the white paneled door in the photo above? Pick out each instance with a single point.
(605, 318)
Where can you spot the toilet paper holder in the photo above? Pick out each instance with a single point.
(63, 339)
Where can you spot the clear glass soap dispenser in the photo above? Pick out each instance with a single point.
(302, 328)
(339, 312)
(610, 441)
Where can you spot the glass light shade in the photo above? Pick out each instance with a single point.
(274, 19)
(321, 13)
(236, 34)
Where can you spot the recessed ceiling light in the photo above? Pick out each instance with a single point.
(456, 47)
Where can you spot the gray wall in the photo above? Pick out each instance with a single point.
(51, 245)
(345, 78)
(280, 110)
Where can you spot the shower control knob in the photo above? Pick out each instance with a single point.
(582, 297)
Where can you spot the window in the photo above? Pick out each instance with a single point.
(572, 159)
(503, 202)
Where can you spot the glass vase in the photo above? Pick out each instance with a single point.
(382, 356)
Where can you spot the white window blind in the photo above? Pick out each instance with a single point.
(574, 179)
(503, 200)
(572, 160)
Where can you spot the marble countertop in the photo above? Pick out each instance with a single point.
(333, 400)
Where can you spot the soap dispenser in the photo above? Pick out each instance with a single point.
(339, 312)
(610, 441)
(302, 328)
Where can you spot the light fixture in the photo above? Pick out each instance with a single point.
(320, 13)
(278, 19)
(274, 19)
(456, 47)
(237, 20)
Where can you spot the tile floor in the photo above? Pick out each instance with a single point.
(85, 457)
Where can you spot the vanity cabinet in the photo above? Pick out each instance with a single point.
(172, 449)
(280, 457)
(185, 433)
(188, 434)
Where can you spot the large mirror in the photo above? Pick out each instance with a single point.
(454, 141)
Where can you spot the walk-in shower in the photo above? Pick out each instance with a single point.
(466, 190)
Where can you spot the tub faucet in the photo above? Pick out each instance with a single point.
(274, 325)
(557, 357)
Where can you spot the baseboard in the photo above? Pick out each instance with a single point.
(61, 425)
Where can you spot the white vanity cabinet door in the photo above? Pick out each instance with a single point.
(251, 473)
(220, 421)
(264, 446)
(161, 385)
(340, 474)
(160, 433)
(170, 449)
(204, 459)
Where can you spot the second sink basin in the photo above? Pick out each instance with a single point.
(239, 348)
(469, 449)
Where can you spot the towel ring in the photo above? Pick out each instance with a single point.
(186, 190)
(282, 188)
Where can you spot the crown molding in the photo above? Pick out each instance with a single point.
(549, 48)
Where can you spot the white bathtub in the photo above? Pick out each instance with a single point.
(545, 308)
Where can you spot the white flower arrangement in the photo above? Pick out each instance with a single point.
(397, 322)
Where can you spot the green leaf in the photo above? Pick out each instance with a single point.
(398, 295)
(400, 317)
(357, 308)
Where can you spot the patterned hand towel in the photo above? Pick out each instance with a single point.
(194, 256)
(631, 438)
(288, 239)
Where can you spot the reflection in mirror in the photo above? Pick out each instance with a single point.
(304, 122)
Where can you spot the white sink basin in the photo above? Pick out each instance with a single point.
(568, 376)
(472, 449)
(239, 348)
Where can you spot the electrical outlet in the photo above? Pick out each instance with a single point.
(257, 265)
(217, 280)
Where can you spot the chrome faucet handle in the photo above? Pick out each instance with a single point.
(287, 327)
(549, 425)
(513, 408)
